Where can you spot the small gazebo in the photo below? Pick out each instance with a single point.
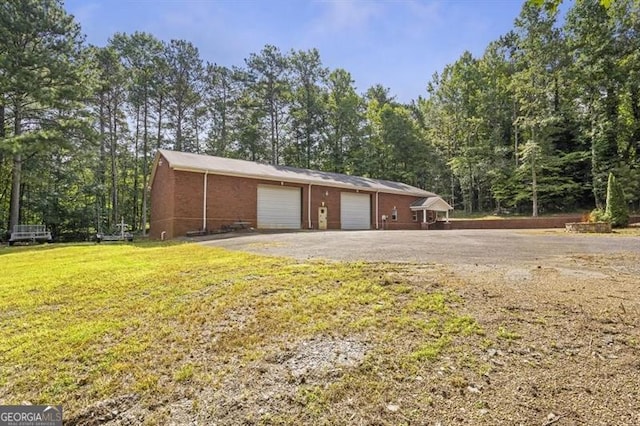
(433, 204)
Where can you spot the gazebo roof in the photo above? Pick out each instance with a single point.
(431, 203)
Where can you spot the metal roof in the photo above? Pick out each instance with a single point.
(241, 168)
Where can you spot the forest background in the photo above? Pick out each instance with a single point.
(532, 126)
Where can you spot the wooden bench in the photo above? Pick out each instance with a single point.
(199, 233)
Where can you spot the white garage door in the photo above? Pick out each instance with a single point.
(355, 211)
(279, 207)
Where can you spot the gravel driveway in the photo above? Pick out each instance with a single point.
(456, 247)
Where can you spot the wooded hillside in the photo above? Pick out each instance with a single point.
(533, 125)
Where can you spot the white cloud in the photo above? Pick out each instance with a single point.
(86, 12)
(346, 15)
(423, 16)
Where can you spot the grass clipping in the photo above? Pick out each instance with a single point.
(168, 330)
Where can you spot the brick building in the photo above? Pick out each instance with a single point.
(191, 192)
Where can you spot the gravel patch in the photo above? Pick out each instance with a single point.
(449, 247)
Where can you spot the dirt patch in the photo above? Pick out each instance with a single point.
(115, 411)
(274, 385)
(549, 340)
(563, 343)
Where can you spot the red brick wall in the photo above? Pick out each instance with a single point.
(189, 190)
(177, 196)
(231, 199)
(514, 223)
(162, 201)
(520, 223)
(235, 198)
(331, 197)
(405, 215)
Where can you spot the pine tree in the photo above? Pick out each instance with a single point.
(42, 78)
(617, 209)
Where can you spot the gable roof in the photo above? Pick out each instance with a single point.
(241, 168)
(434, 203)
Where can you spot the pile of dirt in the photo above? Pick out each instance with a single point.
(322, 357)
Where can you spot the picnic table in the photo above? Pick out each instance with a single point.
(240, 225)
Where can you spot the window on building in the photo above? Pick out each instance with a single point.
(415, 215)
(394, 214)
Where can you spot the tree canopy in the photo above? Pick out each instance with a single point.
(534, 125)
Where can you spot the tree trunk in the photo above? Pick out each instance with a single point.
(102, 169)
(534, 187)
(222, 147)
(1, 119)
(159, 136)
(534, 180)
(195, 127)
(515, 131)
(134, 220)
(452, 200)
(274, 144)
(470, 188)
(16, 177)
(178, 145)
(114, 171)
(145, 147)
(2, 133)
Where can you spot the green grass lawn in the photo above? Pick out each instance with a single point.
(84, 323)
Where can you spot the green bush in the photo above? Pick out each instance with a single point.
(598, 215)
(617, 209)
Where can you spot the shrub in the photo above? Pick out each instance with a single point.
(598, 215)
(617, 208)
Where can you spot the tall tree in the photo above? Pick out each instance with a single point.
(140, 53)
(185, 91)
(268, 77)
(345, 118)
(308, 107)
(110, 98)
(223, 88)
(408, 151)
(42, 77)
(536, 88)
(591, 38)
(376, 158)
(457, 128)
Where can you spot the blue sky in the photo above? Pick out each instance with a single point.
(396, 43)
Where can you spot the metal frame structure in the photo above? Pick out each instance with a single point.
(30, 233)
